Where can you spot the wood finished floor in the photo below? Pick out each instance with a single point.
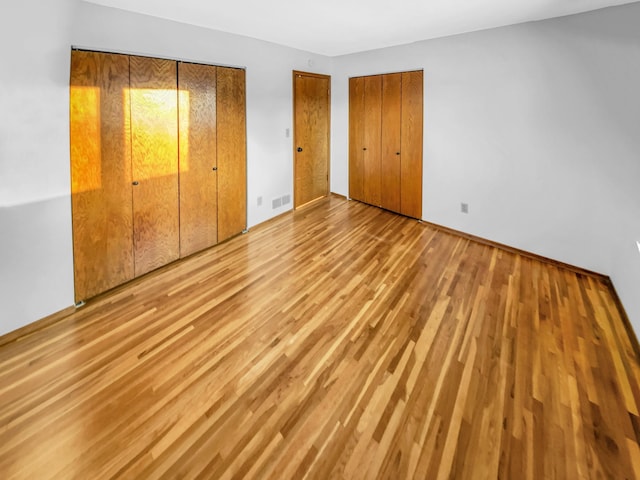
(340, 341)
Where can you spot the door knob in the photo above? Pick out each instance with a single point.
(135, 183)
(299, 149)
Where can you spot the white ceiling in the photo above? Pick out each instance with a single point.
(338, 27)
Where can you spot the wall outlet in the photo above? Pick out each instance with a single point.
(464, 207)
(638, 244)
(276, 203)
(287, 133)
(286, 199)
(259, 200)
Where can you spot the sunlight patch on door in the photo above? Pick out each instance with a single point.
(86, 148)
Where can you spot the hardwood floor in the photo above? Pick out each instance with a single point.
(340, 341)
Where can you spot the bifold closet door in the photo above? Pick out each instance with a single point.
(356, 138)
(232, 152)
(372, 142)
(365, 117)
(411, 170)
(100, 172)
(154, 158)
(385, 141)
(198, 157)
(391, 143)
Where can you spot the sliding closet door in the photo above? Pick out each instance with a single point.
(198, 163)
(100, 172)
(154, 138)
(391, 151)
(232, 153)
(411, 174)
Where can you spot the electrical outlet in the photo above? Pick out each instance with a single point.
(286, 199)
(287, 133)
(638, 244)
(464, 207)
(259, 200)
(276, 203)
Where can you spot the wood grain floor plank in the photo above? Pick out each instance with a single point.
(338, 341)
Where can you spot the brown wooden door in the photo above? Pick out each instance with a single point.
(232, 152)
(100, 172)
(391, 151)
(385, 141)
(411, 173)
(372, 141)
(356, 138)
(311, 136)
(154, 156)
(198, 164)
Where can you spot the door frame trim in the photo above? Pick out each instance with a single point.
(294, 133)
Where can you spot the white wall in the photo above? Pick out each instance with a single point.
(36, 269)
(535, 126)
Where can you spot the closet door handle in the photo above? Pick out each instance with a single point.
(397, 153)
(364, 148)
(214, 168)
(299, 149)
(135, 183)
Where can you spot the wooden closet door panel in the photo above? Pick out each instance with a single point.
(100, 172)
(154, 137)
(232, 152)
(311, 128)
(391, 151)
(411, 170)
(197, 157)
(372, 139)
(356, 138)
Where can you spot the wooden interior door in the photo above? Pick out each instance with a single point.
(391, 151)
(197, 157)
(232, 152)
(100, 172)
(154, 146)
(356, 138)
(372, 141)
(311, 136)
(411, 173)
